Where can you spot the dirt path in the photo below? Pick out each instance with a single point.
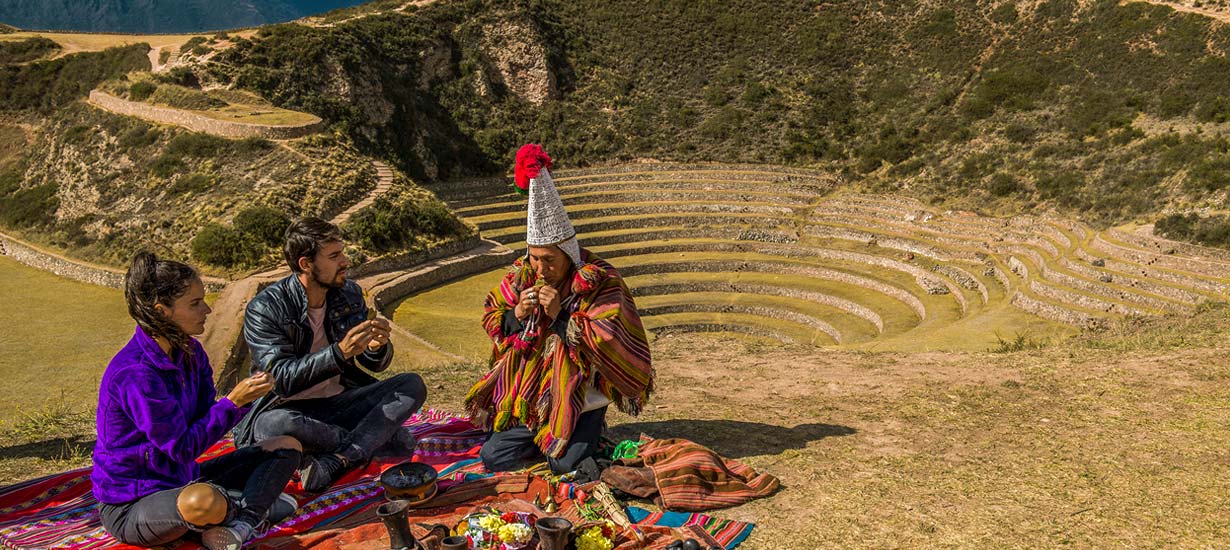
(384, 184)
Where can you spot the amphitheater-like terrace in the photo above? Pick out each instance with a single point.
(782, 253)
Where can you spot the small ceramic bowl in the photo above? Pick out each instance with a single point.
(412, 481)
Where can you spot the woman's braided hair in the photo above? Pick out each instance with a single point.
(151, 281)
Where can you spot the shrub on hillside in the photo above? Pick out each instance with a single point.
(1012, 87)
(181, 97)
(141, 90)
(262, 224)
(1179, 227)
(191, 183)
(22, 51)
(218, 245)
(392, 224)
(29, 207)
(45, 85)
(179, 76)
(1003, 184)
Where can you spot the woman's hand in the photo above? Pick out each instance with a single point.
(250, 389)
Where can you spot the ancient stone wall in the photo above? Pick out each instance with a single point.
(200, 123)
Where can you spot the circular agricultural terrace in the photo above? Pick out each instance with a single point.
(780, 253)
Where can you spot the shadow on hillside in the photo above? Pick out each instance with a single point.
(732, 438)
(54, 448)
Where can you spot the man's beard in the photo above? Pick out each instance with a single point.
(338, 281)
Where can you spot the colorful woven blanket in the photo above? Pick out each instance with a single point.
(59, 511)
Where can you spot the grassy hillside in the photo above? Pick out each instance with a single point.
(1110, 111)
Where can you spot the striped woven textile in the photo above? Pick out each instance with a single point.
(693, 478)
(59, 511)
(729, 533)
(540, 381)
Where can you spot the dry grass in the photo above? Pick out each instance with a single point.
(72, 42)
(1113, 438)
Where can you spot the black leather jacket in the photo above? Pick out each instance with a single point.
(279, 338)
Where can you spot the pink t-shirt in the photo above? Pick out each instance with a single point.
(332, 386)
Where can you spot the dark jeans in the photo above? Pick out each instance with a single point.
(354, 423)
(251, 477)
(514, 448)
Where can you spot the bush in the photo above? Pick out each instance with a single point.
(141, 90)
(195, 144)
(179, 76)
(1213, 231)
(191, 183)
(181, 97)
(1003, 184)
(218, 245)
(22, 51)
(262, 224)
(139, 136)
(1012, 87)
(166, 166)
(29, 207)
(1179, 227)
(45, 85)
(1209, 174)
(389, 225)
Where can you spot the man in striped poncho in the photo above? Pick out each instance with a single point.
(568, 342)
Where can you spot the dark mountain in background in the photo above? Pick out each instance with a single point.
(158, 16)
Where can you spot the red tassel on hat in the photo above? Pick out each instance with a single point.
(531, 159)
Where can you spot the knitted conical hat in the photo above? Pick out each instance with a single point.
(548, 222)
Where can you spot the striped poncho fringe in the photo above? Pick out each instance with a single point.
(540, 381)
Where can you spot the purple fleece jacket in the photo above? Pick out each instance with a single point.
(155, 417)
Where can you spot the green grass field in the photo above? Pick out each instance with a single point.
(450, 316)
(59, 335)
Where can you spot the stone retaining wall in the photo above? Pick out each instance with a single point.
(1065, 296)
(782, 204)
(583, 215)
(1190, 265)
(485, 257)
(716, 266)
(410, 259)
(721, 327)
(61, 266)
(842, 304)
(1104, 288)
(759, 311)
(73, 269)
(1054, 312)
(1145, 285)
(1181, 279)
(200, 123)
(1161, 245)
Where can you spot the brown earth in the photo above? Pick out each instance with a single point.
(1111, 439)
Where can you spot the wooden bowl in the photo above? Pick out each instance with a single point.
(409, 481)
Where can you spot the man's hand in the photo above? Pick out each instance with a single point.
(380, 334)
(549, 298)
(251, 388)
(359, 337)
(526, 302)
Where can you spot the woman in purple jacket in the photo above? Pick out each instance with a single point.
(157, 413)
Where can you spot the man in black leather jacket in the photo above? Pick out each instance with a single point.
(312, 332)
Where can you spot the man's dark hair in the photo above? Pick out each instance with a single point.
(304, 238)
